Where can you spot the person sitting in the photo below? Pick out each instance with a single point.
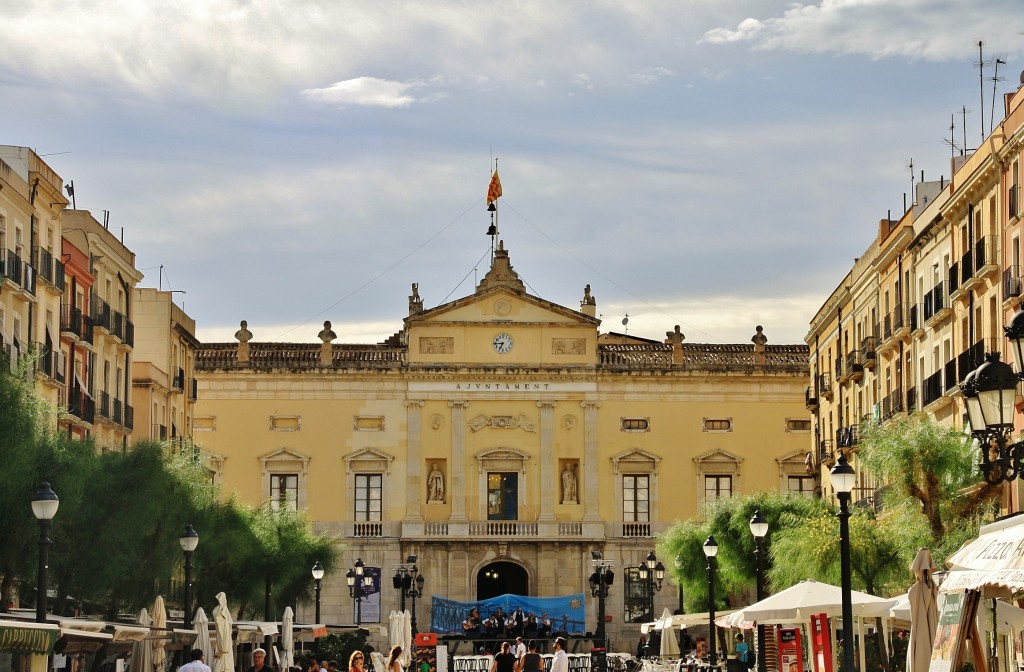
(471, 626)
(545, 626)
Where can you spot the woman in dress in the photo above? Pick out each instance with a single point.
(393, 664)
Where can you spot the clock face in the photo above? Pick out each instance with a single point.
(502, 343)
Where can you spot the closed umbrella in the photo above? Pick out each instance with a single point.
(159, 661)
(395, 628)
(142, 653)
(224, 651)
(924, 613)
(202, 626)
(669, 645)
(287, 638)
(406, 638)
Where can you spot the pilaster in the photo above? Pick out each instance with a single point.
(547, 459)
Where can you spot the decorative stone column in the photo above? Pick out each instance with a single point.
(547, 460)
(457, 470)
(414, 462)
(590, 484)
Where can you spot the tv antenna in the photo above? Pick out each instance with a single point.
(625, 322)
(910, 167)
(951, 140)
(995, 82)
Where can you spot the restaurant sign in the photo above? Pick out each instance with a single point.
(24, 639)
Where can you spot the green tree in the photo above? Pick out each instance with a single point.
(933, 464)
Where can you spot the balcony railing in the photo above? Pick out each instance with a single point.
(892, 404)
(18, 271)
(911, 400)
(194, 391)
(826, 451)
(1011, 283)
(101, 314)
(932, 388)
(49, 363)
(81, 405)
(893, 322)
(73, 321)
(179, 380)
(950, 375)
(915, 317)
(50, 269)
(103, 407)
(129, 417)
(970, 359)
(984, 253)
(966, 266)
(810, 398)
(1013, 200)
(855, 365)
(934, 302)
(954, 278)
(840, 370)
(824, 383)
(867, 351)
(159, 433)
(848, 437)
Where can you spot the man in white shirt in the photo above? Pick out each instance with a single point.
(560, 663)
(520, 649)
(197, 664)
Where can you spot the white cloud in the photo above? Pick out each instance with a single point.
(651, 75)
(368, 91)
(582, 81)
(915, 29)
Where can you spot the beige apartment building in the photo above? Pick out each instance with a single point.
(502, 438)
(943, 280)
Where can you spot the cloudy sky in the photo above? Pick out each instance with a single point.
(710, 163)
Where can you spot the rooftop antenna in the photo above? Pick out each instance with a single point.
(913, 199)
(981, 87)
(952, 137)
(995, 82)
(625, 322)
(964, 150)
(70, 188)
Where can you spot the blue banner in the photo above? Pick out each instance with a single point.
(567, 613)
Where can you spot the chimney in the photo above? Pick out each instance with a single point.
(588, 306)
(326, 349)
(244, 336)
(676, 338)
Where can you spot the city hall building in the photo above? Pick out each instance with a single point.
(501, 438)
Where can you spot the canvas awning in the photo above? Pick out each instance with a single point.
(797, 603)
(682, 621)
(27, 638)
(995, 558)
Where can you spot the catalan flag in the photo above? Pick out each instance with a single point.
(494, 188)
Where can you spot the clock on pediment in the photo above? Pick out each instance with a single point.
(502, 343)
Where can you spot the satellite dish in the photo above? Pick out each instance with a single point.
(625, 320)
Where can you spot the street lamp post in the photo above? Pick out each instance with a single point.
(409, 583)
(843, 478)
(679, 571)
(989, 394)
(318, 576)
(652, 574)
(759, 528)
(188, 542)
(44, 507)
(602, 578)
(358, 582)
(710, 551)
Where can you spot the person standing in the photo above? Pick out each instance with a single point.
(196, 664)
(394, 665)
(355, 662)
(560, 663)
(259, 657)
(520, 650)
(742, 650)
(532, 661)
(504, 661)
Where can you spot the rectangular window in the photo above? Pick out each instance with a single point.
(801, 486)
(284, 492)
(503, 496)
(717, 487)
(636, 600)
(368, 496)
(636, 498)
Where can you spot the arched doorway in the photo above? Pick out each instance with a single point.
(499, 578)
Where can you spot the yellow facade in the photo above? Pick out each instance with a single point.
(551, 440)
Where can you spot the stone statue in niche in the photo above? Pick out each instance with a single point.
(435, 485)
(569, 484)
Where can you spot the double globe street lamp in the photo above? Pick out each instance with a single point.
(710, 551)
(359, 584)
(843, 479)
(602, 579)
(409, 583)
(189, 541)
(652, 574)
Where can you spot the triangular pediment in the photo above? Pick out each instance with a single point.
(719, 455)
(502, 305)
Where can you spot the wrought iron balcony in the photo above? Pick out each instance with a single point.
(49, 363)
(855, 365)
(50, 269)
(1013, 200)
(932, 388)
(178, 384)
(826, 452)
(194, 393)
(949, 376)
(810, 399)
(848, 437)
(824, 383)
(1012, 287)
(20, 273)
(868, 347)
(954, 278)
(76, 324)
(80, 405)
(911, 400)
(892, 404)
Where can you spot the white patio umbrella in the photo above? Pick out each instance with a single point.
(924, 613)
(159, 661)
(224, 651)
(406, 638)
(203, 643)
(797, 603)
(142, 653)
(669, 645)
(287, 638)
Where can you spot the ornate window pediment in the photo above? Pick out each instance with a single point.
(502, 459)
(635, 460)
(284, 459)
(718, 460)
(369, 459)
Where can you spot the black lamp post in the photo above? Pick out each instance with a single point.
(188, 542)
(602, 578)
(843, 479)
(358, 582)
(652, 573)
(710, 551)
(759, 528)
(989, 393)
(318, 576)
(679, 571)
(409, 584)
(44, 507)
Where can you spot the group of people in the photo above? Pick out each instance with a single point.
(526, 659)
(514, 624)
(356, 663)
